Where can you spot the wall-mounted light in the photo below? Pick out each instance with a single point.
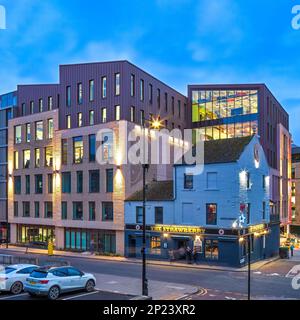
(10, 176)
(118, 167)
(166, 235)
(241, 239)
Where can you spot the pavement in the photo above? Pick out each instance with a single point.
(254, 266)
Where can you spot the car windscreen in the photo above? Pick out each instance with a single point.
(7, 270)
(39, 274)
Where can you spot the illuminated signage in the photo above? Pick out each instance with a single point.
(177, 229)
(257, 228)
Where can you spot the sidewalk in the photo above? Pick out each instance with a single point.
(255, 266)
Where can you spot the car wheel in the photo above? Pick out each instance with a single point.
(16, 288)
(54, 293)
(90, 286)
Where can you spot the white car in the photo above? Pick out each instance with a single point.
(13, 278)
(54, 281)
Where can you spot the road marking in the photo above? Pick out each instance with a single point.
(112, 282)
(273, 275)
(295, 271)
(14, 296)
(81, 295)
(176, 288)
(257, 272)
(230, 298)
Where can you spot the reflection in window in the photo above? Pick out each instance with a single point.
(28, 135)
(26, 159)
(211, 214)
(77, 211)
(16, 160)
(78, 150)
(18, 134)
(107, 211)
(212, 249)
(39, 130)
(48, 156)
(155, 247)
(50, 128)
(107, 146)
(37, 156)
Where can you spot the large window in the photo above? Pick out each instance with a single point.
(77, 211)
(78, 150)
(92, 148)
(211, 214)
(104, 87)
(37, 157)
(79, 175)
(79, 93)
(107, 146)
(64, 210)
(39, 131)
(212, 249)
(50, 128)
(94, 181)
(17, 185)
(18, 134)
(159, 215)
(117, 84)
(26, 159)
(155, 245)
(139, 215)
(66, 182)
(26, 209)
(110, 180)
(48, 156)
(107, 211)
(48, 210)
(188, 181)
(91, 90)
(39, 184)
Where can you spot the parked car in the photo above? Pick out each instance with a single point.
(55, 281)
(13, 277)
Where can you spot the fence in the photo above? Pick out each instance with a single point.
(9, 260)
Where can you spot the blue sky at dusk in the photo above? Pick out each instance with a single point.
(179, 41)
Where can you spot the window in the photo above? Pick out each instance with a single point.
(117, 84)
(68, 122)
(39, 131)
(92, 211)
(107, 211)
(142, 117)
(31, 107)
(166, 102)
(16, 209)
(36, 209)
(91, 90)
(211, 214)
(64, 151)
(68, 95)
(41, 105)
(158, 98)
(17, 185)
(23, 109)
(79, 119)
(50, 183)
(79, 181)
(159, 215)
(37, 158)
(27, 184)
(188, 181)
(132, 114)
(48, 156)
(78, 150)
(212, 249)
(248, 180)
(211, 182)
(110, 180)
(66, 182)
(173, 105)
(48, 210)
(26, 159)
(92, 117)
(117, 113)
(142, 90)
(79, 93)
(26, 209)
(94, 183)
(28, 135)
(132, 85)
(92, 148)
(18, 134)
(16, 160)
(179, 108)
(139, 215)
(155, 245)
(248, 213)
(107, 146)
(104, 115)
(104, 87)
(50, 103)
(50, 128)
(264, 210)
(39, 184)
(77, 211)
(150, 93)
(64, 210)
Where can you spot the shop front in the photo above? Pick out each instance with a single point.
(199, 245)
(35, 235)
(3, 232)
(100, 241)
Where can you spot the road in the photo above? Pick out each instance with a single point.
(270, 282)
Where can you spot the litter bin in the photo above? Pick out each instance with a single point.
(284, 252)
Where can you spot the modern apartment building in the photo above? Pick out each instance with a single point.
(7, 104)
(230, 111)
(57, 189)
(295, 227)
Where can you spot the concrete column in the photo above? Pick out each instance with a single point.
(13, 233)
(59, 238)
(120, 250)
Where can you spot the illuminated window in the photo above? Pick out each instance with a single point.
(68, 121)
(92, 117)
(155, 245)
(37, 156)
(78, 150)
(18, 134)
(31, 107)
(48, 156)
(79, 119)
(26, 159)
(28, 135)
(92, 211)
(104, 87)
(16, 160)
(142, 90)
(211, 214)
(50, 128)
(48, 210)
(132, 114)
(50, 103)
(132, 85)
(41, 105)
(117, 84)
(39, 131)
(104, 115)
(91, 90)
(211, 249)
(117, 113)
(79, 93)
(39, 184)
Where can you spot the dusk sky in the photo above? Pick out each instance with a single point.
(179, 41)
